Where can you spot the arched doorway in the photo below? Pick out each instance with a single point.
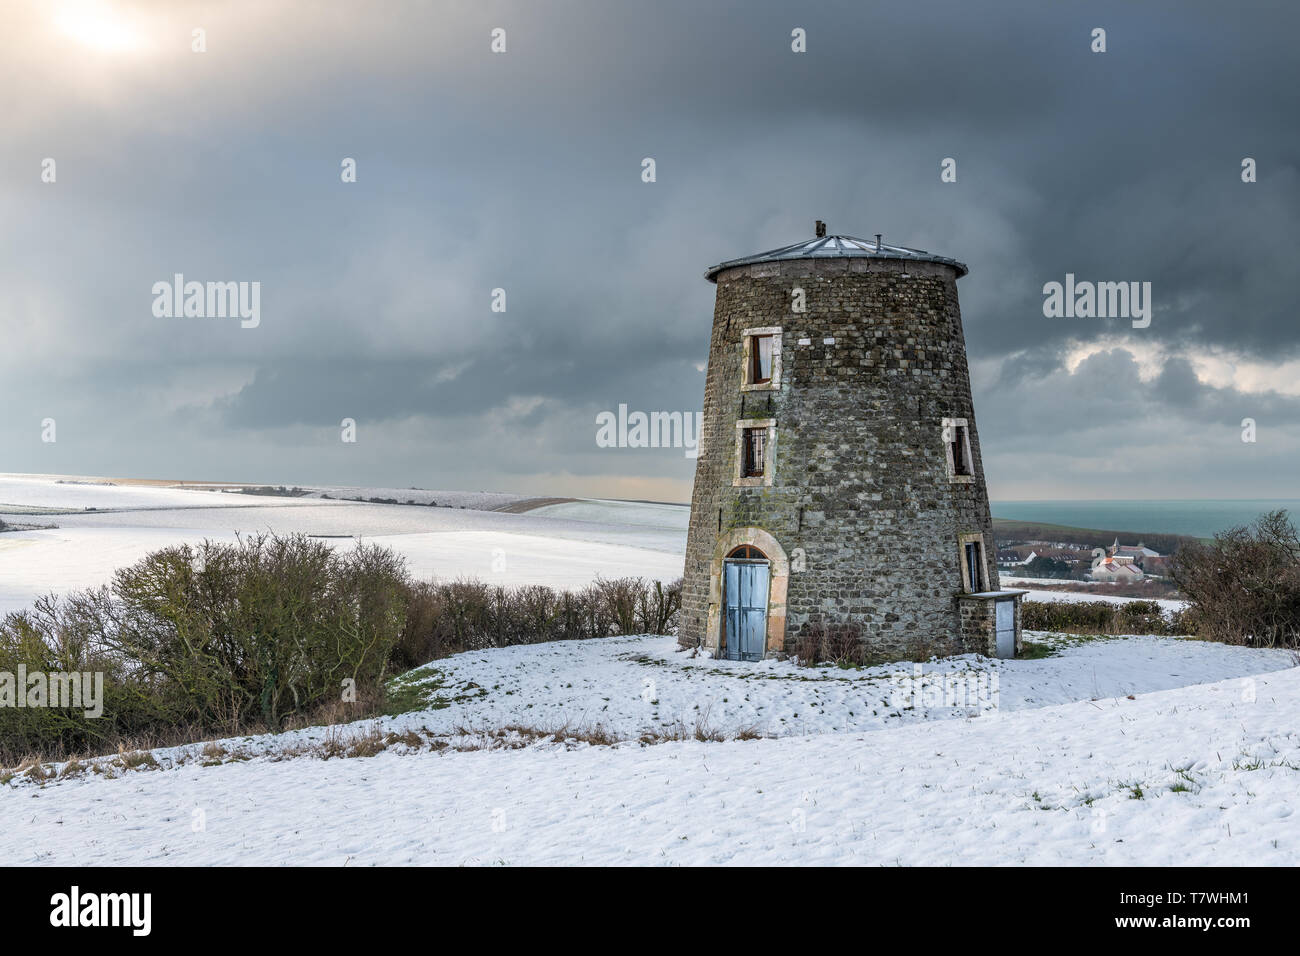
(746, 577)
(769, 549)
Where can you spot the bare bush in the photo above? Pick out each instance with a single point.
(209, 638)
(1244, 588)
(839, 644)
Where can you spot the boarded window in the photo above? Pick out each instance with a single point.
(959, 450)
(753, 448)
(760, 359)
(974, 555)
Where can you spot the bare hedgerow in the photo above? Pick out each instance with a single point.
(264, 635)
(448, 617)
(210, 638)
(1101, 617)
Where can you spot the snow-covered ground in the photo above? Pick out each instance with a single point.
(478, 500)
(648, 514)
(66, 492)
(631, 685)
(129, 521)
(27, 494)
(1087, 759)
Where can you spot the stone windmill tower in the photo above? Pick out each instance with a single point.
(839, 483)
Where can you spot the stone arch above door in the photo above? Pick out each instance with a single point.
(777, 589)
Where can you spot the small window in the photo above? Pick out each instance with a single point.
(956, 436)
(974, 576)
(755, 452)
(760, 359)
(753, 446)
(961, 452)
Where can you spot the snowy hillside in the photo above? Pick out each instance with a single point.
(1087, 760)
(547, 546)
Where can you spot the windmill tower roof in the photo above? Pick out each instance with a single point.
(837, 247)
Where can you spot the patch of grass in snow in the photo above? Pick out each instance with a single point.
(1258, 763)
(867, 677)
(1060, 640)
(1034, 651)
(138, 760)
(518, 736)
(421, 689)
(34, 770)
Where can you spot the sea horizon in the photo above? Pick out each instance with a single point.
(1197, 517)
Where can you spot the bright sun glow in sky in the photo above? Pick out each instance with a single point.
(98, 25)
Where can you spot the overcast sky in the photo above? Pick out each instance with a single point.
(522, 170)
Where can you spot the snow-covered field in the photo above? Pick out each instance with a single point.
(542, 547)
(641, 513)
(1098, 756)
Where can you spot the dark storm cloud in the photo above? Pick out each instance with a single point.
(521, 172)
(1108, 387)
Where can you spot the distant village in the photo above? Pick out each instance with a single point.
(1117, 564)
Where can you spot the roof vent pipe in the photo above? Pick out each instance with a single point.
(877, 242)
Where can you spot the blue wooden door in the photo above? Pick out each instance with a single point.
(745, 599)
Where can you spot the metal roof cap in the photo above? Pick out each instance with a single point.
(837, 247)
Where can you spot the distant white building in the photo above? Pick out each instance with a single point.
(1140, 555)
(1023, 561)
(1116, 569)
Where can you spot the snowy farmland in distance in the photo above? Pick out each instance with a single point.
(608, 539)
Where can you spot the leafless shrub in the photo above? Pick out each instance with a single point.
(204, 639)
(839, 644)
(1244, 588)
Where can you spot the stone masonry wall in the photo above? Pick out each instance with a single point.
(861, 500)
